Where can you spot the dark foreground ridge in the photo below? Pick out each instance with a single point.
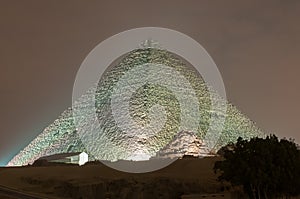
(9, 193)
(182, 178)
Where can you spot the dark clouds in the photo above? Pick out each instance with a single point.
(255, 44)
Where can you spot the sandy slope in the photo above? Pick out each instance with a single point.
(183, 176)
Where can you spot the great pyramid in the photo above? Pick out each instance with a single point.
(109, 142)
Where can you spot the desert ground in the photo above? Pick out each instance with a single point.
(96, 180)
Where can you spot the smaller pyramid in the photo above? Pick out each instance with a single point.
(185, 143)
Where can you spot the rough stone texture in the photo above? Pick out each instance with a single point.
(109, 142)
(184, 144)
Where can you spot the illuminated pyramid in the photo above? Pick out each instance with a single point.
(109, 142)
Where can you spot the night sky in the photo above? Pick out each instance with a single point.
(256, 46)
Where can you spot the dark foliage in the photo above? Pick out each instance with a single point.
(265, 167)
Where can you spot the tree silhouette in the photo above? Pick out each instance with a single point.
(265, 167)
